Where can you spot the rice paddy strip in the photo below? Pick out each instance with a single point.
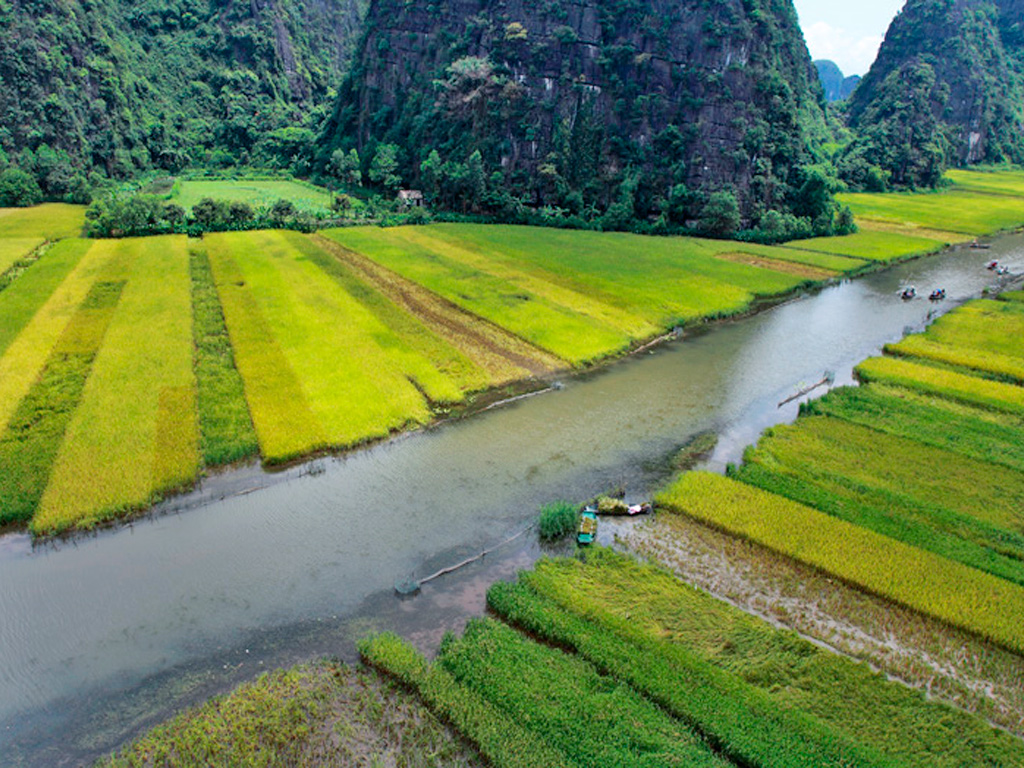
(947, 590)
(358, 379)
(14, 249)
(30, 443)
(664, 280)
(35, 312)
(958, 210)
(872, 245)
(976, 361)
(406, 335)
(505, 743)
(994, 182)
(225, 427)
(981, 325)
(134, 436)
(550, 326)
(788, 267)
(503, 356)
(50, 221)
(641, 600)
(538, 282)
(862, 460)
(592, 719)
(739, 720)
(985, 435)
(945, 383)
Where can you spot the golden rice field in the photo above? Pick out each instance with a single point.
(910, 487)
(49, 221)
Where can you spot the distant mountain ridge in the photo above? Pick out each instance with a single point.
(837, 85)
(946, 89)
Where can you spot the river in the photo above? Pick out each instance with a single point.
(101, 635)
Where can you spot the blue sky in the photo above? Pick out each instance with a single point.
(849, 33)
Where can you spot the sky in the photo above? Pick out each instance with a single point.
(848, 33)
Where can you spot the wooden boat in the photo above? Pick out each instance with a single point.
(980, 246)
(937, 295)
(588, 527)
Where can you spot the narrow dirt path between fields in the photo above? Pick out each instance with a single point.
(483, 341)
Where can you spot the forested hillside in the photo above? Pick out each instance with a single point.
(946, 90)
(693, 113)
(121, 86)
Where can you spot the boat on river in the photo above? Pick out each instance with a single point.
(588, 527)
(908, 293)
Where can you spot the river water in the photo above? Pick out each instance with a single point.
(101, 635)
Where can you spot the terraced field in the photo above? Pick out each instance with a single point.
(619, 663)
(910, 487)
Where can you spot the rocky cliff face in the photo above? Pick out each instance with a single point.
(567, 99)
(945, 71)
(123, 86)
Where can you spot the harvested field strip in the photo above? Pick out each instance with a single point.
(665, 280)
(989, 364)
(407, 329)
(552, 327)
(739, 720)
(645, 602)
(941, 235)
(592, 719)
(863, 460)
(14, 249)
(971, 213)
(538, 282)
(503, 356)
(35, 312)
(504, 742)
(788, 267)
(50, 221)
(30, 443)
(949, 591)
(225, 427)
(322, 714)
(945, 383)
(284, 422)
(134, 436)
(784, 253)
(872, 245)
(985, 435)
(972, 542)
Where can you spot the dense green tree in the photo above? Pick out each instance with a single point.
(384, 168)
(720, 215)
(18, 189)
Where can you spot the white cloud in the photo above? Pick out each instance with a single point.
(854, 56)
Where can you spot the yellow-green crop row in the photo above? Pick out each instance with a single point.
(943, 382)
(320, 368)
(50, 221)
(998, 182)
(957, 210)
(35, 311)
(872, 245)
(13, 249)
(134, 434)
(984, 325)
(1000, 366)
(961, 596)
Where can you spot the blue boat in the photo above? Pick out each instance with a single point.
(588, 527)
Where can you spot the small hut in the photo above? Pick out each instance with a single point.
(411, 198)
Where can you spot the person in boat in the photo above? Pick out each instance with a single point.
(993, 264)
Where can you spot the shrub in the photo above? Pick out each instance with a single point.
(557, 519)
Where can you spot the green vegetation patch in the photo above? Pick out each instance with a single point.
(591, 718)
(134, 435)
(302, 195)
(1012, 296)
(225, 427)
(32, 439)
(991, 181)
(663, 617)
(50, 221)
(14, 250)
(872, 245)
(962, 211)
(557, 519)
(945, 383)
(320, 714)
(988, 436)
(947, 590)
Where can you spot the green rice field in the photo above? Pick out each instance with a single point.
(49, 221)
(962, 211)
(304, 196)
(873, 245)
(604, 635)
(910, 486)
